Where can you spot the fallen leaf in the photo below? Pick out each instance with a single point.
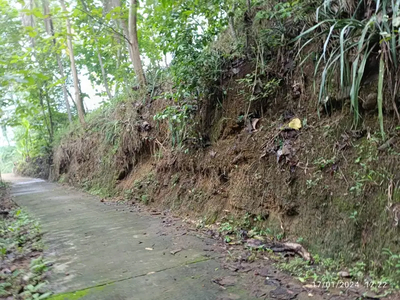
(295, 124)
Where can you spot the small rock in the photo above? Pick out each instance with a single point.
(254, 243)
(225, 281)
(283, 294)
(266, 272)
(344, 274)
(6, 271)
(272, 281)
(370, 102)
(173, 252)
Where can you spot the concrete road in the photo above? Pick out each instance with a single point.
(106, 252)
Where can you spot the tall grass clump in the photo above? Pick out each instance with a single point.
(353, 34)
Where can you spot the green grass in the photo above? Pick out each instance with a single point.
(352, 36)
(20, 235)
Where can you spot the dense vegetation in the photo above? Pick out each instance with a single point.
(23, 270)
(176, 77)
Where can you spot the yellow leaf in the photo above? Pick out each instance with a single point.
(295, 124)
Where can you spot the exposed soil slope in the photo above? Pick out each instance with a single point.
(334, 187)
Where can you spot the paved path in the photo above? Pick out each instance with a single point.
(101, 252)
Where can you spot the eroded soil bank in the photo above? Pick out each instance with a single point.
(104, 250)
(334, 188)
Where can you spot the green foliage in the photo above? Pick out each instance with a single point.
(8, 156)
(178, 122)
(251, 81)
(352, 37)
(19, 235)
(391, 268)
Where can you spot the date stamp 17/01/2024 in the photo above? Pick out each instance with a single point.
(349, 284)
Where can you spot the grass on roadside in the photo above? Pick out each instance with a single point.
(22, 269)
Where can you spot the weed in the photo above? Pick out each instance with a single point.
(128, 194)
(33, 292)
(39, 266)
(354, 216)
(21, 235)
(353, 34)
(358, 270)
(145, 199)
(226, 227)
(391, 269)
(175, 179)
(179, 122)
(322, 163)
(250, 82)
(310, 183)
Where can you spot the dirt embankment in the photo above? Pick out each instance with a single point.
(328, 184)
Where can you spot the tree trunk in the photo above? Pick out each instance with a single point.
(78, 99)
(4, 130)
(50, 118)
(44, 116)
(130, 34)
(64, 88)
(133, 38)
(103, 72)
(126, 35)
(48, 22)
(232, 28)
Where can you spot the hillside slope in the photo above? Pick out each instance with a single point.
(334, 188)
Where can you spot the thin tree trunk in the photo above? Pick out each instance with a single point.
(44, 115)
(78, 99)
(64, 88)
(116, 89)
(50, 118)
(48, 22)
(128, 43)
(4, 130)
(103, 72)
(232, 28)
(133, 38)
(130, 34)
(231, 20)
(72, 99)
(31, 22)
